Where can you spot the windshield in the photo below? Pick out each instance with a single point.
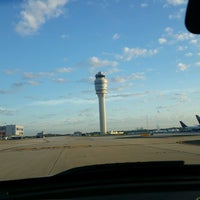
(96, 81)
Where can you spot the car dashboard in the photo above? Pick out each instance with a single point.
(140, 180)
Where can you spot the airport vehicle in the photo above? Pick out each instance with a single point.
(127, 180)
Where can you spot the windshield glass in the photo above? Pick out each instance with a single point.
(96, 81)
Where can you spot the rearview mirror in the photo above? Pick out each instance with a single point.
(192, 16)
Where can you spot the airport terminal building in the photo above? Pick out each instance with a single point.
(11, 130)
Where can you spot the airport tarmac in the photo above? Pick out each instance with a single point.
(40, 157)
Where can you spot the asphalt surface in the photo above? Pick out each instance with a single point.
(28, 158)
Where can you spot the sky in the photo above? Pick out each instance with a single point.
(52, 49)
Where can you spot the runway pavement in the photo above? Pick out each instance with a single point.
(29, 158)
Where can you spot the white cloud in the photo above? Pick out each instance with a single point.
(60, 80)
(36, 12)
(116, 36)
(10, 71)
(180, 37)
(189, 54)
(34, 83)
(137, 76)
(162, 40)
(177, 15)
(143, 5)
(133, 76)
(55, 102)
(181, 97)
(193, 41)
(184, 36)
(31, 75)
(176, 2)
(182, 67)
(6, 111)
(197, 64)
(127, 95)
(64, 36)
(96, 62)
(118, 79)
(182, 48)
(130, 53)
(64, 70)
(169, 30)
(52, 102)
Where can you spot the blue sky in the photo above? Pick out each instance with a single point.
(52, 49)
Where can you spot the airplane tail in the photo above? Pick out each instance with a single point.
(182, 124)
(198, 118)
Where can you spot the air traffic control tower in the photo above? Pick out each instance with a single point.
(101, 89)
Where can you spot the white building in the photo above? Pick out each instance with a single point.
(11, 130)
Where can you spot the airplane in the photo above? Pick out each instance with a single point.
(198, 118)
(189, 128)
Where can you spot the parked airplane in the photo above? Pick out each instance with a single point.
(189, 128)
(198, 118)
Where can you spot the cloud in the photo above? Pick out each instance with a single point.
(10, 71)
(4, 91)
(64, 70)
(35, 13)
(197, 64)
(52, 102)
(193, 41)
(158, 108)
(176, 2)
(181, 97)
(31, 75)
(182, 48)
(59, 80)
(116, 36)
(183, 36)
(180, 37)
(34, 83)
(55, 102)
(162, 40)
(182, 67)
(177, 15)
(127, 95)
(143, 5)
(96, 62)
(133, 76)
(5, 111)
(169, 31)
(119, 79)
(130, 53)
(189, 54)
(22, 84)
(19, 84)
(87, 80)
(64, 36)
